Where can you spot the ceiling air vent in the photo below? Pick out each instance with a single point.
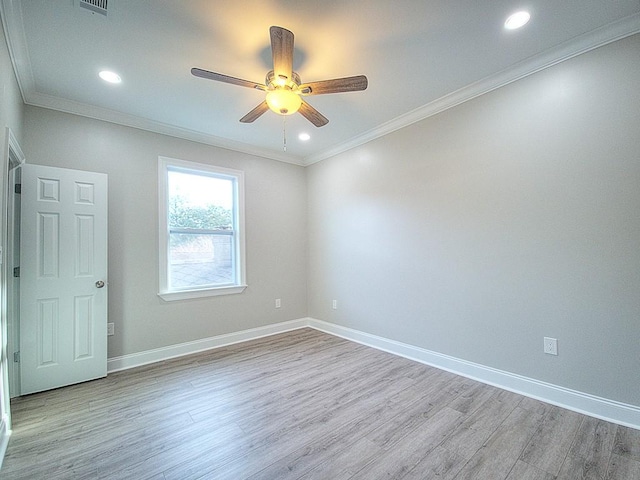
(96, 6)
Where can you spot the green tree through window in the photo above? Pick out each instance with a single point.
(210, 217)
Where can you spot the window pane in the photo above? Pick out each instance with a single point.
(201, 232)
(200, 201)
(200, 260)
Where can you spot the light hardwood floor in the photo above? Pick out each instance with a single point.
(306, 405)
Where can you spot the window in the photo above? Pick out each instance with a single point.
(201, 230)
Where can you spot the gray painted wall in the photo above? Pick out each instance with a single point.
(479, 231)
(473, 233)
(275, 216)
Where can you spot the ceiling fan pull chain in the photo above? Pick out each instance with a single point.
(284, 133)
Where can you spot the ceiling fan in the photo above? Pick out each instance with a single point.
(283, 86)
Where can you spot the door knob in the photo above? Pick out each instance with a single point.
(99, 284)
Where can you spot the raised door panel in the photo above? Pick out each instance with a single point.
(63, 260)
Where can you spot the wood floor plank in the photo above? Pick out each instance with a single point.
(468, 437)
(315, 429)
(473, 398)
(575, 468)
(550, 444)
(407, 453)
(591, 451)
(368, 381)
(535, 405)
(413, 416)
(326, 450)
(500, 453)
(183, 451)
(524, 471)
(440, 463)
(623, 468)
(345, 462)
(123, 445)
(592, 447)
(304, 405)
(627, 443)
(277, 439)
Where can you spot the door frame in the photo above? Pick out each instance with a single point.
(12, 157)
(12, 259)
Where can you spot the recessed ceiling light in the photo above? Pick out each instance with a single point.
(304, 137)
(109, 76)
(517, 20)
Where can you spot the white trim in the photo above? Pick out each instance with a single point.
(237, 176)
(172, 351)
(13, 23)
(5, 433)
(15, 156)
(587, 404)
(12, 20)
(10, 315)
(612, 32)
(12, 284)
(14, 29)
(106, 115)
(201, 293)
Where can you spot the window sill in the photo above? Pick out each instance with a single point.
(205, 292)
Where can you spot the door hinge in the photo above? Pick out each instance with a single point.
(18, 188)
(16, 357)
(16, 272)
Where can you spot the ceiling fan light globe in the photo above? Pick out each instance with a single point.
(283, 101)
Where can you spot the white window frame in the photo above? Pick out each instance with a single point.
(166, 163)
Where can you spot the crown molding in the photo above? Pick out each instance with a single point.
(112, 116)
(618, 30)
(12, 21)
(14, 32)
(13, 25)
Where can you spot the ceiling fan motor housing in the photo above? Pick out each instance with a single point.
(283, 85)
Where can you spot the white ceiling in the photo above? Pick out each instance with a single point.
(420, 57)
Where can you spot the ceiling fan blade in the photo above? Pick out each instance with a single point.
(282, 50)
(313, 115)
(337, 85)
(255, 113)
(219, 77)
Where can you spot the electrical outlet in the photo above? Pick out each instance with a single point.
(111, 329)
(278, 303)
(551, 346)
(334, 305)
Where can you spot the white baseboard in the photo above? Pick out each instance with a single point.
(603, 408)
(4, 440)
(172, 351)
(594, 406)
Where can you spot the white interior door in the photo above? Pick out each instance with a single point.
(63, 277)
